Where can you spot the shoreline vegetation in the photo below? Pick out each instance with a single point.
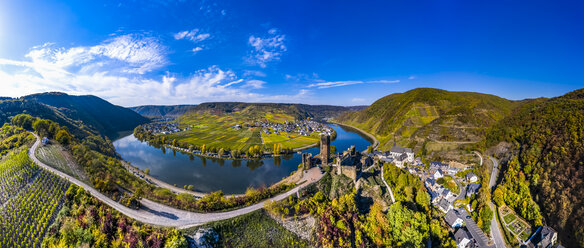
(253, 153)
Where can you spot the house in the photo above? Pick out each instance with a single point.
(45, 140)
(462, 238)
(444, 205)
(398, 150)
(438, 174)
(453, 219)
(472, 189)
(452, 171)
(430, 183)
(446, 193)
(543, 237)
(399, 160)
(435, 165)
(471, 177)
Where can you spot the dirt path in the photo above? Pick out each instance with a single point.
(161, 215)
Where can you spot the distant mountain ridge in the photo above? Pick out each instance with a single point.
(301, 111)
(83, 115)
(172, 111)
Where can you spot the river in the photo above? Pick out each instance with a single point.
(230, 176)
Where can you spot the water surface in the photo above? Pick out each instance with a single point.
(230, 176)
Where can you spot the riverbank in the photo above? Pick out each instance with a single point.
(265, 155)
(370, 136)
(293, 178)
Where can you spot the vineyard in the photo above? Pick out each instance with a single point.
(29, 200)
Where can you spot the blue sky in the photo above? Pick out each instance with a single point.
(317, 52)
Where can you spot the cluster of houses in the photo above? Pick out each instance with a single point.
(303, 127)
(162, 127)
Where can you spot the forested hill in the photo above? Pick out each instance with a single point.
(425, 114)
(300, 111)
(83, 115)
(547, 147)
(171, 111)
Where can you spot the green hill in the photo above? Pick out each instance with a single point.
(171, 111)
(83, 115)
(298, 111)
(436, 117)
(547, 155)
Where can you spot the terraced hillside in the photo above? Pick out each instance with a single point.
(432, 119)
(30, 199)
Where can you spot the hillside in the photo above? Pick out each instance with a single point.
(83, 115)
(298, 111)
(547, 155)
(439, 119)
(171, 111)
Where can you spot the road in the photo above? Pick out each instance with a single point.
(161, 215)
(386, 185)
(495, 230)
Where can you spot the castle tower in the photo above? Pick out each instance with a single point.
(325, 148)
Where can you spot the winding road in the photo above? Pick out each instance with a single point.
(161, 215)
(495, 231)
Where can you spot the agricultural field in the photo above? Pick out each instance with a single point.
(218, 131)
(29, 201)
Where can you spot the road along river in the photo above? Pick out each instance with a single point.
(230, 176)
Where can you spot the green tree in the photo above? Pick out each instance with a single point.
(63, 137)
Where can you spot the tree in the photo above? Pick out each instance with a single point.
(41, 126)
(147, 171)
(498, 197)
(191, 187)
(63, 137)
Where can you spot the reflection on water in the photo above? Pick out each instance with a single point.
(212, 174)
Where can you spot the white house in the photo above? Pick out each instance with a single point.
(471, 177)
(437, 174)
(453, 219)
(462, 238)
(397, 151)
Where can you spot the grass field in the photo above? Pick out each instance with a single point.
(255, 229)
(217, 130)
(55, 156)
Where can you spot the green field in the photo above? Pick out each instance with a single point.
(218, 131)
(55, 156)
(255, 229)
(515, 224)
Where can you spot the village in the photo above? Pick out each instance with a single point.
(438, 178)
(302, 127)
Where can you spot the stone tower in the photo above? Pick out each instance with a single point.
(325, 148)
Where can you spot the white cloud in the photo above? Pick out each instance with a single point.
(197, 49)
(255, 84)
(254, 73)
(193, 35)
(266, 49)
(357, 99)
(321, 84)
(411, 77)
(129, 53)
(92, 70)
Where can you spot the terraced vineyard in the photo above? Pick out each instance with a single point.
(29, 201)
